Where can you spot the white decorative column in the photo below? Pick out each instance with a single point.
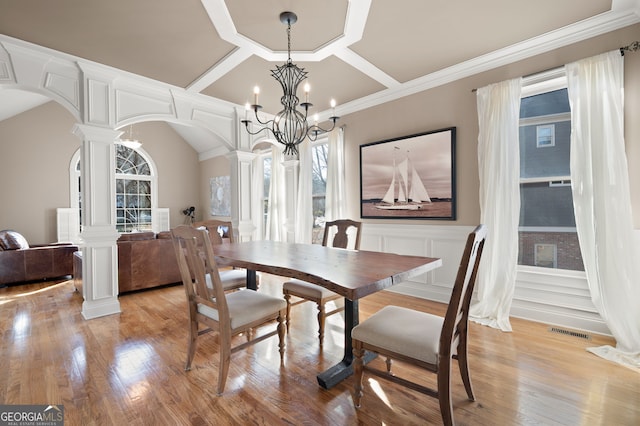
(99, 235)
(291, 169)
(241, 185)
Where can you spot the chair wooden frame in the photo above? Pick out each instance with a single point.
(234, 278)
(196, 259)
(452, 339)
(300, 289)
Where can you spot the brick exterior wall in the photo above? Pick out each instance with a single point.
(568, 249)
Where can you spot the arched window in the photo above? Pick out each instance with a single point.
(133, 191)
(136, 192)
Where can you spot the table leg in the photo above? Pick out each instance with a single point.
(252, 283)
(334, 375)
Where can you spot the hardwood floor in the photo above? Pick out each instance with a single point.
(128, 369)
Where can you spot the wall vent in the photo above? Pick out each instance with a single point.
(578, 334)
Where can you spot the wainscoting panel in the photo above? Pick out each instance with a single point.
(445, 242)
(550, 296)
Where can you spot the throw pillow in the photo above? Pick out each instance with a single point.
(12, 240)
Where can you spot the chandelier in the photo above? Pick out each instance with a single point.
(130, 142)
(290, 126)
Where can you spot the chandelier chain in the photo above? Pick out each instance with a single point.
(289, 41)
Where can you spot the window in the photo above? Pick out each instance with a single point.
(546, 255)
(135, 189)
(547, 233)
(319, 156)
(319, 189)
(545, 135)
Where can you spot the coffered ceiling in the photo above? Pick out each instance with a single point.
(354, 50)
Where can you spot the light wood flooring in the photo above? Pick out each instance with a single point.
(127, 369)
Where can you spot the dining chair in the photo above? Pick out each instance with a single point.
(221, 232)
(422, 339)
(228, 314)
(335, 235)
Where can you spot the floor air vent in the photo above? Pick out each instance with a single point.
(584, 336)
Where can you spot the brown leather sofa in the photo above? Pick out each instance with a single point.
(20, 262)
(146, 260)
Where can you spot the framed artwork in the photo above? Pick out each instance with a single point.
(409, 177)
(221, 196)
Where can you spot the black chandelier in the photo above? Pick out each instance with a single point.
(290, 126)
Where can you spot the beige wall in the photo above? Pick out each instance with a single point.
(455, 105)
(36, 149)
(35, 152)
(218, 166)
(177, 164)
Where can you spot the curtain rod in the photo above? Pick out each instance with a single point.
(633, 47)
(630, 48)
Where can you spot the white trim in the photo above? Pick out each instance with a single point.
(546, 229)
(544, 119)
(551, 296)
(542, 179)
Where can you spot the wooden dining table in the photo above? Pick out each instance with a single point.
(352, 274)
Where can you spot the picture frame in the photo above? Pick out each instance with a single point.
(220, 196)
(409, 177)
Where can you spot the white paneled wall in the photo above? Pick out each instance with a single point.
(556, 297)
(445, 242)
(549, 296)
(68, 225)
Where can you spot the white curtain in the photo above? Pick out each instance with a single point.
(304, 207)
(335, 192)
(499, 171)
(602, 202)
(276, 212)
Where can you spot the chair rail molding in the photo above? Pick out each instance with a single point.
(545, 295)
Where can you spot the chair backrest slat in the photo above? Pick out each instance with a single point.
(196, 261)
(341, 237)
(456, 318)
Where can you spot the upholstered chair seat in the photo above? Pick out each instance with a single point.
(423, 340)
(413, 333)
(245, 307)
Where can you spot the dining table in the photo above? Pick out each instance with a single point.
(352, 274)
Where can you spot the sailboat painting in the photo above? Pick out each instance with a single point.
(411, 177)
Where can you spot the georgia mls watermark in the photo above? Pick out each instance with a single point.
(31, 415)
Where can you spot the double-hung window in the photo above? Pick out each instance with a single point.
(547, 232)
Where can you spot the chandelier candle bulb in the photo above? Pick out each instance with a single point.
(307, 88)
(256, 92)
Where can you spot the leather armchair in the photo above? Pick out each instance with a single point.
(20, 262)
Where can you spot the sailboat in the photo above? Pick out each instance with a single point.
(415, 190)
